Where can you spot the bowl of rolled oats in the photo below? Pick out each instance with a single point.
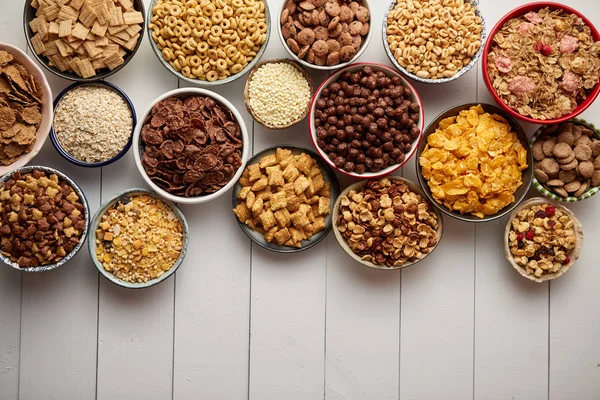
(137, 239)
(209, 42)
(542, 63)
(84, 40)
(542, 239)
(443, 46)
(386, 223)
(93, 123)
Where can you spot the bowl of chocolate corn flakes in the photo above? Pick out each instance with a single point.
(25, 108)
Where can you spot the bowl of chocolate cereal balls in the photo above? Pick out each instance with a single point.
(366, 120)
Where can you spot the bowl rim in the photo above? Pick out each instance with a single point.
(86, 213)
(514, 13)
(74, 77)
(359, 53)
(360, 184)
(45, 88)
(313, 132)
(334, 188)
(204, 83)
(94, 223)
(526, 177)
(246, 91)
(187, 91)
(538, 185)
(574, 255)
(64, 153)
(461, 72)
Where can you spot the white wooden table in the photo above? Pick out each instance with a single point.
(238, 322)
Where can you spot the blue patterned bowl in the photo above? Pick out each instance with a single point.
(460, 73)
(538, 185)
(86, 214)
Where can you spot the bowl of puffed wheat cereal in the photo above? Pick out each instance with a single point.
(542, 239)
(137, 239)
(434, 41)
(209, 42)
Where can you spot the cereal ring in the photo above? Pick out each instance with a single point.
(221, 65)
(212, 76)
(217, 17)
(236, 68)
(187, 71)
(216, 30)
(195, 61)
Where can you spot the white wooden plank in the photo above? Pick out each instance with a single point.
(436, 345)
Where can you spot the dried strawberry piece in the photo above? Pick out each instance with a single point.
(166, 148)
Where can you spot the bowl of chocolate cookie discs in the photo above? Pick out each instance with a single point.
(567, 160)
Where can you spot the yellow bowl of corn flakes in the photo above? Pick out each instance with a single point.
(474, 162)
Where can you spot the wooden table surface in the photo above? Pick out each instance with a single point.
(238, 322)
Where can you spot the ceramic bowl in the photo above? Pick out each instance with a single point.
(542, 189)
(47, 110)
(92, 245)
(574, 253)
(328, 175)
(29, 15)
(334, 77)
(363, 47)
(65, 153)
(517, 12)
(460, 73)
(296, 65)
(138, 147)
(527, 174)
(344, 245)
(86, 214)
(203, 83)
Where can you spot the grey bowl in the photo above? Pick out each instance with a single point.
(29, 14)
(199, 82)
(96, 222)
(86, 214)
(527, 177)
(328, 175)
(460, 73)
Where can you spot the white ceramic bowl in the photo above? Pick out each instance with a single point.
(47, 107)
(360, 51)
(353, 68)
(137, 146)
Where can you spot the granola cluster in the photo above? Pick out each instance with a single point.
(541, 239)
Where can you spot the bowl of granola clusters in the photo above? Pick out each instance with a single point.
(542, 239)
(542, 63)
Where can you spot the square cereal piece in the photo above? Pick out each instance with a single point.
(293, 204)
(38, 45)
(311, 216)
(304, 163)
(288, 188)
(126, 5)
(244, 193)
(282, 154)
(65, 28)
(275, 176)
(246, 177)
(254, 172)
(87, 16)
(268, 161)
(319, 224)
(265, 195)
(131, 43)
(318, 182)
(270, 234)
(116, 17)
(257, 206)
(310, 190)
(101, 42)
(291, 243)
(287, 161)
(282, 236)
(325, 191)
(113, 60)
(300, 219)
(53, 28)
(324, 206)
(250, 198)
(51, 49)
(242, 212)
(309, 231)
(67, 12)
(76, 4)
(301, 184)
(260, 184)
(133, 17)
(283, 218)
(91, 49)
(290, 173)
(98, 64)
(313, 200)
(297, 234)
(314, 171)
(278, 201)
(80, 31)
(60, 62)
(98, 29)
(267, 219)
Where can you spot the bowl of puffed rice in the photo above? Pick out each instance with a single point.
(445, 45)
(177, 37)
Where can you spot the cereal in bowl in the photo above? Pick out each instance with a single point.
(543, 64)
(541, 239)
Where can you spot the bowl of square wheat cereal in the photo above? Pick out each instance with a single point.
(93, 124)
(137, 239)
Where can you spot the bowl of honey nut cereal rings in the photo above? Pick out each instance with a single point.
(209, 43)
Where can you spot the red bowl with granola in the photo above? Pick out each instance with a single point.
(558, 48)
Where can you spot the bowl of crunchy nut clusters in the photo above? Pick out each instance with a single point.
(443, 46)
(44, 219)
(325, 34)
(542, 239)
(191, 145)
(542, 63)
(137, 239)
(209, 42)
(386, 223)
(567, 160)
(366, 120)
